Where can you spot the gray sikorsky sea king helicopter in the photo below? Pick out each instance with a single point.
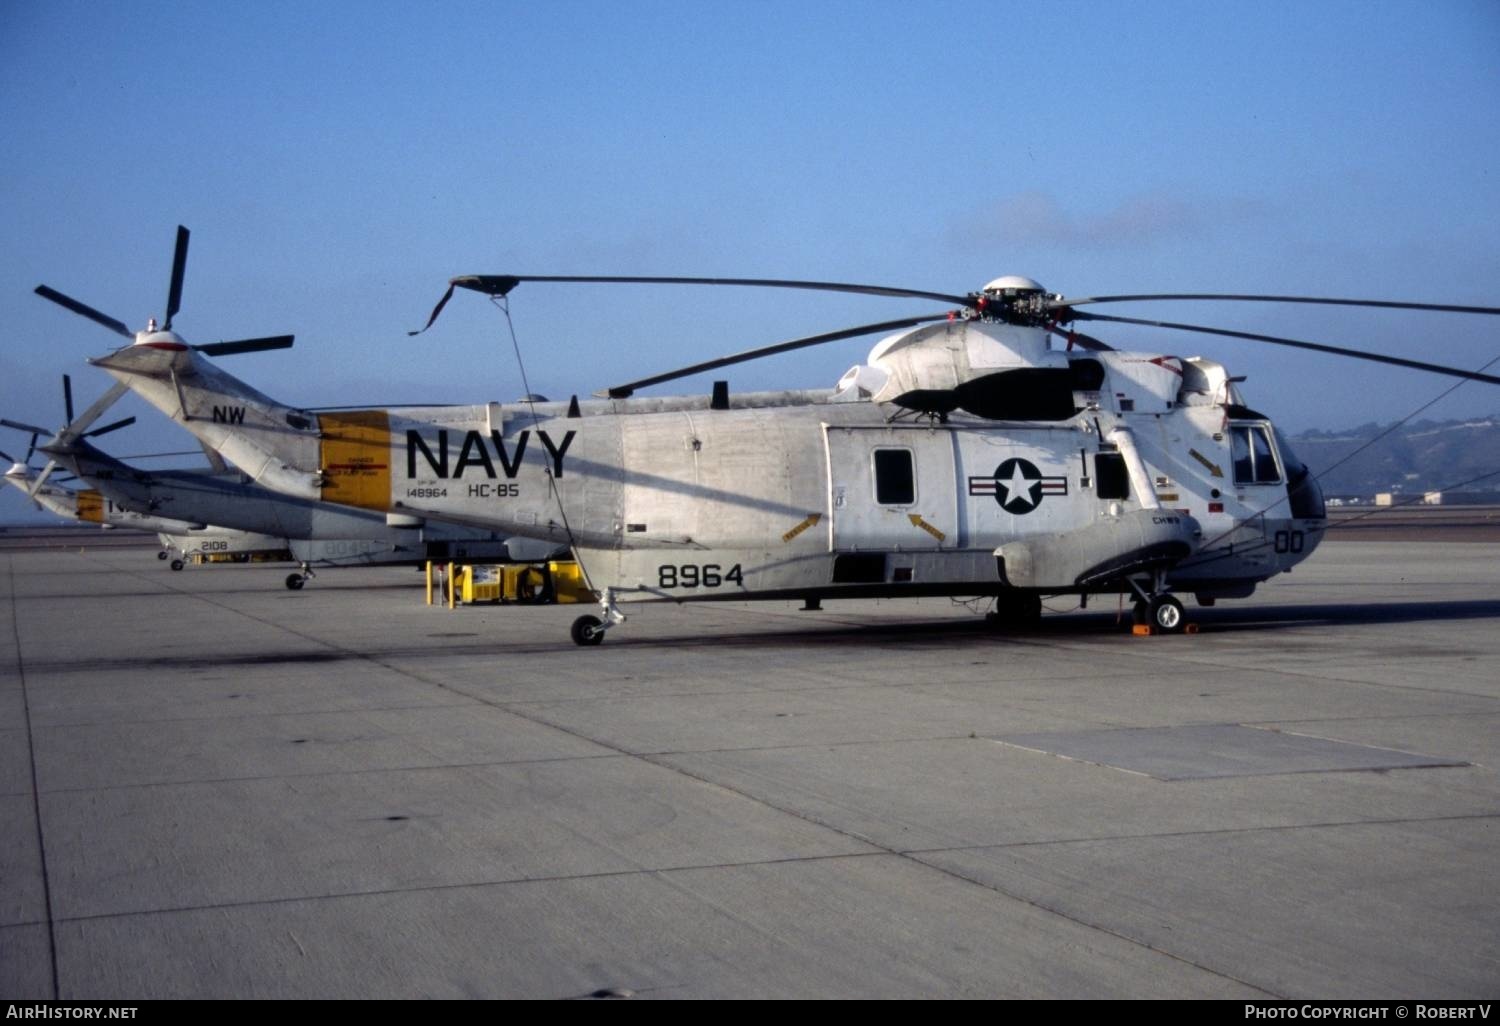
(966, 457)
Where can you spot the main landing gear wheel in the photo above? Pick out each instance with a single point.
(1167, 615)
(587, 630)
(162, 554)
(177, 564)
(1023, 610)
(294, 581)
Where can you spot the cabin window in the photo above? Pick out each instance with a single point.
(1112, 478)
(1254, 459)
(895, 478)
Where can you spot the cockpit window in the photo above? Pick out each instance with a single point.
(1254, 459)
(1302, 488)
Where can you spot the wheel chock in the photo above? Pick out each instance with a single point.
(1145, 630)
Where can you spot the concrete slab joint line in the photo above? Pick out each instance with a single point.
(338, 792)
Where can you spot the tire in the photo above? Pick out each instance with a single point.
(586, 630)
(177, 564)
(162, 554)
(1167, 615)
(294, 582)
(1029, 609)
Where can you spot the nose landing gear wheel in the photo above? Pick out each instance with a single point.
(586, 630)
(294, 581)
(161, 555)
(177, 564)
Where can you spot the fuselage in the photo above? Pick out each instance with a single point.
(1158, 468)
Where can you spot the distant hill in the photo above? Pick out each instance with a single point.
(1424, 456)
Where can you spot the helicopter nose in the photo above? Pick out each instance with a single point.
(1305, 497)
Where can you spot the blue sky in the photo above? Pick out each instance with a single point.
(337, 162)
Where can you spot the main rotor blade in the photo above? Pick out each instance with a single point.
(106, 429)
(1079, 339)
(68, 398)
(1297, 344)
(247, 345)
(1386, 304)
(160, 455)
(502, 284)
(622, 391)
(83, 309)
(179, 268)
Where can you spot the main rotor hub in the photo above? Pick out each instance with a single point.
(1013, 299)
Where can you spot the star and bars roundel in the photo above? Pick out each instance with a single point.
(1018, 486)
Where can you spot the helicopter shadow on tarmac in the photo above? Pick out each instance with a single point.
(1086, 625)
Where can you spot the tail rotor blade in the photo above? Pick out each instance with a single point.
(247, 345)
(84, 310)
(179, 268)
(76, 428)
(106, 429)
(20, 426)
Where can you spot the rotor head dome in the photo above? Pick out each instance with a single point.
(1014, 283)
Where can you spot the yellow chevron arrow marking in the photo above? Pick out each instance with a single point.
(917, 521)
(811, 521)
(1213, 468)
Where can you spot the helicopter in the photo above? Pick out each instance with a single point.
(967, 456)
(179, 539)
(312, 534)
(317, 534)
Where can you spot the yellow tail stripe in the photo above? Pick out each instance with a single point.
(356, 458)
(91, 506)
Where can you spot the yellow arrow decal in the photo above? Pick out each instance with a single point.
(917, 521)
(1213, 468)
(811, 521)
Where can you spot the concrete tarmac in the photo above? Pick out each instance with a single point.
(211, 786)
